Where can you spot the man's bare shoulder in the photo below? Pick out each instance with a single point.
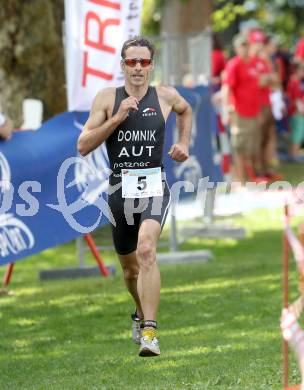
(167, 93)
(106, 94)
(104, 100)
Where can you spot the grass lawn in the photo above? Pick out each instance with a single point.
(218, 321)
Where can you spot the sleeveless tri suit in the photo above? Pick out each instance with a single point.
(136, 144)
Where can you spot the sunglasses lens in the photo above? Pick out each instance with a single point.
(144, 62)
(130, 62)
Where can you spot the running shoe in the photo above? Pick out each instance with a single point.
(149, 343)
(136, 328)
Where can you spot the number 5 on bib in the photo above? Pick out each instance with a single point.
(141, 183)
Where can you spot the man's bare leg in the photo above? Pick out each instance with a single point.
(240, 167)
(148, 284)
(130, 269)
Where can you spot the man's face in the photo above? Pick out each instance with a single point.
(242, 50)
(256, 48)
(137, 73)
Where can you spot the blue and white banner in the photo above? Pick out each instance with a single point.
(49, 195)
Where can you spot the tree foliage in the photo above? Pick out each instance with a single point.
(151, 15)
(226, 13)
(281, 17)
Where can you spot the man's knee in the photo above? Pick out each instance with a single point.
(130, 273)
(145, 250)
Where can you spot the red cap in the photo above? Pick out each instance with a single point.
(256, 36)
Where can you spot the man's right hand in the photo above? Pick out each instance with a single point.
(127, 105)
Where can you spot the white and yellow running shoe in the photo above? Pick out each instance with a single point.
(149, 343)
(136, 328)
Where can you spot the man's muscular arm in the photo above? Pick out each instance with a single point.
(98, 127)
(180, 151)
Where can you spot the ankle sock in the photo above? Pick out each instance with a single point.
(150, 324)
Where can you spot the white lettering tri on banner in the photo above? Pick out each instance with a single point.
(95, 31)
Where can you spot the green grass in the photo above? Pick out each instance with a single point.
(218, 321)
(294, 173)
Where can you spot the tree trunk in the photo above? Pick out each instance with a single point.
(31, 56)
(186, 41)
(184, 18)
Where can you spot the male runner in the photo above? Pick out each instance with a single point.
(131, 120)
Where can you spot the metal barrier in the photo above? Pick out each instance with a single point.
(182, 59)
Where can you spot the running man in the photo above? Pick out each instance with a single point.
(131, 120)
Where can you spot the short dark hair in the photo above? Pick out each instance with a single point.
(137, 41)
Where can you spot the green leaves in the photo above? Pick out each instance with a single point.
(280, 17)
(223, 17)
(151, 15)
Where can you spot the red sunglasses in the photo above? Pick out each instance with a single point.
(144, 62)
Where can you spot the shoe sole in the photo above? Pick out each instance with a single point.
(146, 352)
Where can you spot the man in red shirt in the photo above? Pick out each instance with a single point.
(241, 107)
(268, 78)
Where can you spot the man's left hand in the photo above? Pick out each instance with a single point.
(179, 152)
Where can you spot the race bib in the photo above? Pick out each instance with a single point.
(141, 183)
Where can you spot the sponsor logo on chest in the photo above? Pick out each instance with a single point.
(149, 111)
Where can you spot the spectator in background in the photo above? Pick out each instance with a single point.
(241, 108)
(268, 79)
(280, 63)
(6, 127)
(188, 80)
(218, 62)
(280, 59)
(279, 66)
(299, 52)
(295, 93)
